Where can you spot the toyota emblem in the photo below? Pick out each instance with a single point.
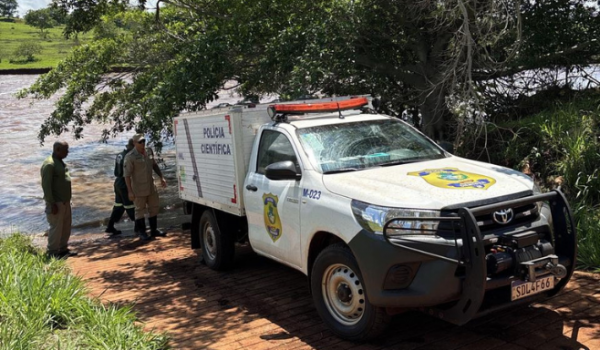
(503, 216)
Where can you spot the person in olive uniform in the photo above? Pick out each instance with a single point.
(122, 202)
(137, 171)
(56, 184)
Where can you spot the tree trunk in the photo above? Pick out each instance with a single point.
(433, 109)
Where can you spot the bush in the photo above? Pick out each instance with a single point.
(588, 229)
(25, 52)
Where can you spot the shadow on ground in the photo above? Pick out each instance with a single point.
(262, 304)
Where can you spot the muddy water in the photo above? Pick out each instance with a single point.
(90, 162)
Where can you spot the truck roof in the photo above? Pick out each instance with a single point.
(332, 119)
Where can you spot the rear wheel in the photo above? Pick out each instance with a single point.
(341, 299)
(218, 248)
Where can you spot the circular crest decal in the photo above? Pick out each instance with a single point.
(453, 178)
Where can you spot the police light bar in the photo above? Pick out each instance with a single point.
(301, 108)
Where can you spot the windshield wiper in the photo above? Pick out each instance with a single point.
(341, 170)
(400, 162)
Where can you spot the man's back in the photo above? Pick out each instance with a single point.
(56, 180)
(119, 160)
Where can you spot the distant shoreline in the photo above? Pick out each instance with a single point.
(23, 71)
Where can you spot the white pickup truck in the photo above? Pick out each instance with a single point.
(378, 216)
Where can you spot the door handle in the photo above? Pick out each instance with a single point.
(251, 188)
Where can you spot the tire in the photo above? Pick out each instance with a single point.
(218, 249)
(341, 301)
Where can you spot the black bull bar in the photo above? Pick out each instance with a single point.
(471, 253)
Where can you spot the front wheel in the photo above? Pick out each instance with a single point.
(340, 298)
(218, 248)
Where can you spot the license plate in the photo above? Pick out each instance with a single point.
(522, 289)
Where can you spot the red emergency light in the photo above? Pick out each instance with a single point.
(301, 108)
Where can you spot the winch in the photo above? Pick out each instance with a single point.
(524, 255)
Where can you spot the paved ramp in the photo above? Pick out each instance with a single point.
(264, 305)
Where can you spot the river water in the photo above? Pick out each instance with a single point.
(90, 161)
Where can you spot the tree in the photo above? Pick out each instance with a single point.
(441, 58)
(84, 15)
(559, 45)
(40, 19)
(59, 16)
(8, 8)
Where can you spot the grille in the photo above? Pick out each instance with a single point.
(522, 215)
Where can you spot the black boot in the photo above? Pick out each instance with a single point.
(153, 230)
(141, 229)
(115, 216)
(111, 229)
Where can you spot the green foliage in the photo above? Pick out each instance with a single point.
(59, 16)
(8, 8)
(25, 52)
(43, 306)
(41, 19)
(560, 32)
(588, 230)
(414, 55)
(561, 141)
(85, 15)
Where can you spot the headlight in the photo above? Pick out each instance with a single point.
(372, 218)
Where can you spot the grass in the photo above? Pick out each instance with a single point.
(44, 306)
(54, 47)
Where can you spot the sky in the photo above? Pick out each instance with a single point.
(26, 5)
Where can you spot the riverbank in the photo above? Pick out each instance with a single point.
(53, 46)
(45, 307)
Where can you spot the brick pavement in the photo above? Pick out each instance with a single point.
(264, 305)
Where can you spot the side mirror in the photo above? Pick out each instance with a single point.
(285, 170)
(447, 146)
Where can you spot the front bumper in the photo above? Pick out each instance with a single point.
(453, 273)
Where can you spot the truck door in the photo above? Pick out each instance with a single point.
(273, 207)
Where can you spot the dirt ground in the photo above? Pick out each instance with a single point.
(264, 305)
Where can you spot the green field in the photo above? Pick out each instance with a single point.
(54, 47)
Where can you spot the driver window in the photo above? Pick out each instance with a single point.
(274, 147)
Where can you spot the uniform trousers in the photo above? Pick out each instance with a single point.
(122, 204)
(142, 202)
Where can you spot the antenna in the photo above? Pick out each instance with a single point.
(340, 111)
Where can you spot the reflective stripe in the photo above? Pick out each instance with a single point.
(118, 204)
(129, 206)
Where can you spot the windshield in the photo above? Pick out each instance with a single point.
(365, 144)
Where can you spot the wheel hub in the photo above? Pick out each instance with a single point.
(209, 242)
(343, 294)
